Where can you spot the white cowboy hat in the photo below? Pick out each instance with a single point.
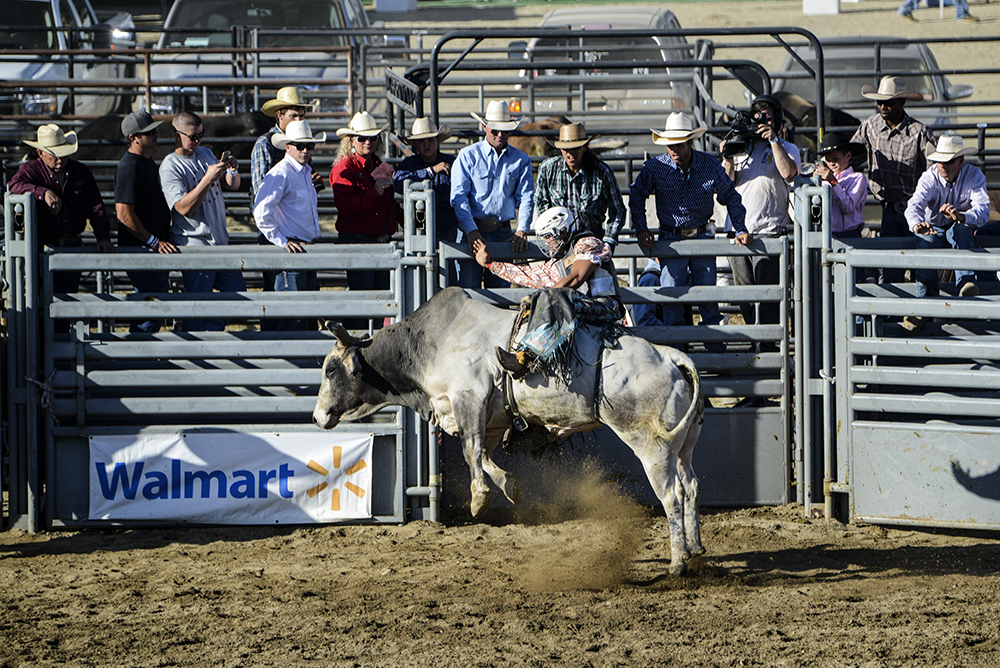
(680, 128)
(362, 125)
(424, 128)
(52, 140)
(297, 131)
(498, 117)
(890, 88)
(948, 148)
(289, 96)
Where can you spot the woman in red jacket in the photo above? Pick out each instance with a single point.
(362, 190)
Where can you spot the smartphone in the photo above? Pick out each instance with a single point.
(226, 155)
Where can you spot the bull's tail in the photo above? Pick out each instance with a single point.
(696, 410)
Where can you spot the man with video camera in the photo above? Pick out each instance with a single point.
(762, 165)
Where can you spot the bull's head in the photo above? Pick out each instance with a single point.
(342, 393)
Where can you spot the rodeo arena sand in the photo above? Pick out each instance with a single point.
(534, 587)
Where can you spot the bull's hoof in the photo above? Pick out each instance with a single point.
(697, 551)
(512, 490)
(479, 506)
(678, 567)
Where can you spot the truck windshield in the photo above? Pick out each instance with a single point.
(29, 31)
(213, 15)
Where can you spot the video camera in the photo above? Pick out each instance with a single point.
(742, 133)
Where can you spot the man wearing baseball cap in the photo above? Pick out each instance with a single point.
(143, 214)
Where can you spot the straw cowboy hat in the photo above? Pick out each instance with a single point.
(424, 128)
(680, 128)
(890, 88)
(362, 125)
(573, 135)
(297, 131)
(498, 117)
(52, 140)
(948, 148)
(836, 141)
(289, 96)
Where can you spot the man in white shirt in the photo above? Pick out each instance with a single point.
(763, 178)
(193, 179)
(286, 208)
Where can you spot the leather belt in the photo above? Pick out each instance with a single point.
(686, 232)
(490, 224)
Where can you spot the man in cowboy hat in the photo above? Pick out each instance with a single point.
(896, 147)
(684, 181)
(763, 178)
(287, 106)
(949, 202)
(67, 197)
(142, 210)
(491, 187)
(193, 180)
(286, 210)
(428, 163)
(580, 181)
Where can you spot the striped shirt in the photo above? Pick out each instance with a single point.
(592, 194)
(263, 157)
(685, 199)
(896, 156)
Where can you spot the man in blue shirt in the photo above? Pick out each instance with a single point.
(684, 182)
(492, 187)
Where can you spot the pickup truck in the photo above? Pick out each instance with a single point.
(29, 26)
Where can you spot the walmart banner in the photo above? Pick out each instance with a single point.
(232, 478)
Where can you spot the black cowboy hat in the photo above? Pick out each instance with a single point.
(836, 141)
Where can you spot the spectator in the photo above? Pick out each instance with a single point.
(193, 180)
(763, 179)
(580, 181)
(362, 189)
(950, 201)
(428, 163)
(647, 314)
(491, 187)
(962, 14)
(896, 147)
(141, 207)
(67, 196)
(286, 210)
(848, 188)
(684, 181)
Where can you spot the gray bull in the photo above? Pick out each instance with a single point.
(440, 362)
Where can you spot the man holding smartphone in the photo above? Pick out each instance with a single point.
(193, 180)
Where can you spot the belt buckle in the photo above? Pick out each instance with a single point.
(689, 232)
(488, 224)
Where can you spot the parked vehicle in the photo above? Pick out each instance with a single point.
(30, 26)
(849, 64)
(645, 99)
(208, 23)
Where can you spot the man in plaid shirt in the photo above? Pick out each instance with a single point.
(578, 180)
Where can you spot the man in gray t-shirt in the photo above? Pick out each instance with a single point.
(192, 180)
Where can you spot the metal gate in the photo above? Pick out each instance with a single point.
(898, 427)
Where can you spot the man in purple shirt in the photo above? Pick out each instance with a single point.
(684, 181)
(67, 196)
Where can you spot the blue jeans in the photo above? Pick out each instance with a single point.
(294, 281)
(365, 279)
(679, 272)
(206, 281)
(148, 281)
(472, 276)
(961, 8)
(956, 236)
(894, 225)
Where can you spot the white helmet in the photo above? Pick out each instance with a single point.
(555, 227)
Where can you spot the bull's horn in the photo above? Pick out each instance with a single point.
(341, 333)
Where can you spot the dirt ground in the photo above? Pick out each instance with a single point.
(775, 589)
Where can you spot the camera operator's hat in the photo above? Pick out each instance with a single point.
(573, 135)
(498, 117)
(890, 88)
(297, 131)
(948, 148)
(424, 128)
(52, 140)
(289, 96)
(836, 141)
(680, 128)
(361, 125)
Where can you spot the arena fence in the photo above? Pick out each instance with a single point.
(896, 426)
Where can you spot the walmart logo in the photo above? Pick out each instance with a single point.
(348, 485)
(185, 482)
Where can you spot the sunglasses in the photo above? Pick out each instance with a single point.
(302, 147)
(887, 103)
(365, 140)
(196, 137)
(497, 133)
